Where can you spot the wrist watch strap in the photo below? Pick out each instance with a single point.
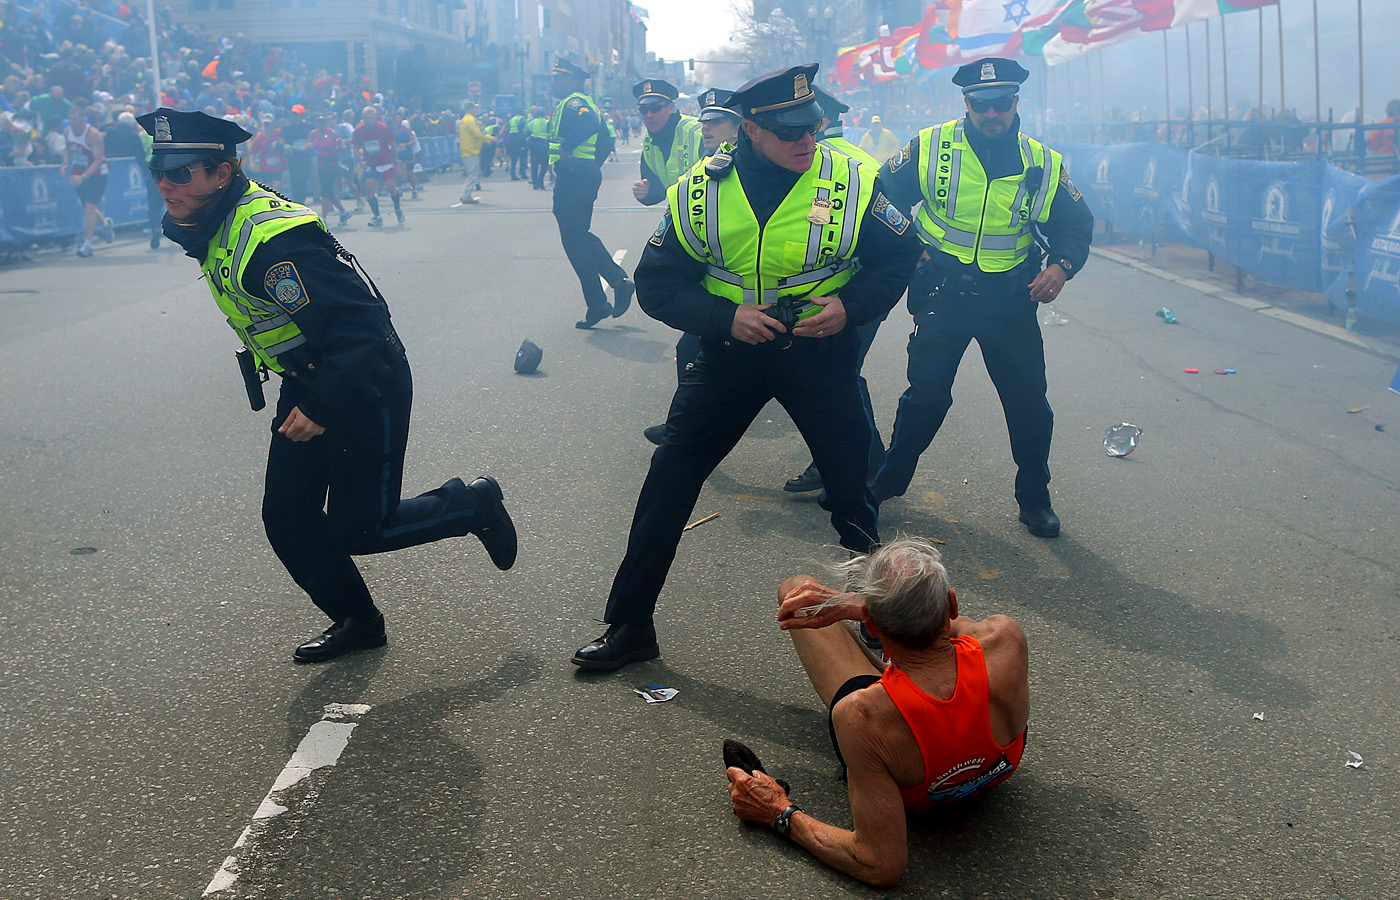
(783, 824)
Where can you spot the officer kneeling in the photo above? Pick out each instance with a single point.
(335, 465)
(772, 255)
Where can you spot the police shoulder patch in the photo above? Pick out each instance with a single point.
(1068, 184)
(888, 213)
(659, 234)
(284, 286)
(575, 103)
(899, 159)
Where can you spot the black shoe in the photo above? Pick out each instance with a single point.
(345, 636)
(870, 640)
(655, 433)
(1041, 522)
(155, 241)
(739, 756)
(622, 296)
(594, 316)
(809, 480)
(620, 644)
(497, 531)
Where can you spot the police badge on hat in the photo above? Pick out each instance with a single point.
(799, 86)
(162, 129)
(989, 71)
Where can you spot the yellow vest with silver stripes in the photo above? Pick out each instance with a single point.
(266, 328)
(792, 255)
(969, 218)
(584, 150)
(839, 143)
(687, 148)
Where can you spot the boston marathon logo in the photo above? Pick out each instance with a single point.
(1385, 255)
(1277, 236)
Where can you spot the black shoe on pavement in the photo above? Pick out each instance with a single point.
(809, 480)
(1041, 522)
(622, 296)
(345, 636)
(497, 531)
(594, 316)
(620, 644)
(739, 756)
(655, 433)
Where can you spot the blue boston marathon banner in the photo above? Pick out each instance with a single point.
(1376, 214)
(39, 202)
(125, 200)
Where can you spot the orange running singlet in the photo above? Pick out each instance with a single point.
(961, 758)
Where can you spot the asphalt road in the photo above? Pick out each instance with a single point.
(1243, 561)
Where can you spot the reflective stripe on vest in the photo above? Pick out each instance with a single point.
(839, 143)
(266, 328)
(584, 150)
(687, 148)
(749, 264)
(973, 220)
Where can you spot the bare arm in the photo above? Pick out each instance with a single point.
(876, 851)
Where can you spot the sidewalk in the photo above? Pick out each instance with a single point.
(1189, 266)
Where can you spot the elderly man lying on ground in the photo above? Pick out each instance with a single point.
(940, 718)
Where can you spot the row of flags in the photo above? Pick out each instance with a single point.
(954, 32)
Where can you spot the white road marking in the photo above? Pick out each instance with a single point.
(618, 257)
(321, 747)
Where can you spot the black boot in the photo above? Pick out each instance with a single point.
(620, 644)
(497, 531)
(345, 636)
(1041, 522)
(809, 480)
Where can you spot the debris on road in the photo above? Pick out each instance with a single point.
(1192, 371)
(1359, 409)
(1258, 717)
(1166, 315)
(1121, 439)
(655, 693)
(698, 522)
(1051, 316)
(1355, 761)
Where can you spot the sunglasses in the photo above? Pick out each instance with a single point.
(1000, 104)
(182, 175)
(789, 133)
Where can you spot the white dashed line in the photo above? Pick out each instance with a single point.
(321, 747)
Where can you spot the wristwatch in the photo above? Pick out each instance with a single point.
(1066, 265)
(783, 824)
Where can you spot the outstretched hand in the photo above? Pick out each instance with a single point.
(797, 609)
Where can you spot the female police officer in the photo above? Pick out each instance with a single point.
(335, 465)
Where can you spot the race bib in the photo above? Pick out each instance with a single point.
(298, 146)
(371, 146)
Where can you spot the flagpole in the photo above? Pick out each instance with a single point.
(1225, 78)
(155, 51)
(1261, 66)
(1278, 10)
(1103, 103)
(1190, 91)
(1317, 84)
(1167, 83)
(1210, 88)
(1360, 73)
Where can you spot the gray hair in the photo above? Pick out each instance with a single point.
(905, 587)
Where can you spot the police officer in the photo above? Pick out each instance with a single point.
(335, 464)
(773, 256)
(989, 194)
(537, 133)
(515, 146)
(575, 132)
(719, 125)
(673, 142)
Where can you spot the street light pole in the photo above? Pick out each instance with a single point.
(155, 51)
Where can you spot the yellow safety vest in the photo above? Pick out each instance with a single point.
(265, 327)
(687, 148)
(792, 255)
(965, 216)
(839, 143)
(586, 149)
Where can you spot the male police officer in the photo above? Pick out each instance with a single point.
(833, 135)
(537, 132)
(574, 133)
(988, 193)
(335, 465)
(773, 256)
(672, 144)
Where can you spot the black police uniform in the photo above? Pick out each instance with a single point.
(954, 304)
(576, 183)
(731, 381)
(337, 494)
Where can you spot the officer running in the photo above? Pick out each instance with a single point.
(537, 141)
(773, 256)
(574, 135)
(335, 464)
(988, 199)
(673, 143)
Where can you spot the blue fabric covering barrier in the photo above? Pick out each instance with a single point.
(1299, 224)
(439, 152)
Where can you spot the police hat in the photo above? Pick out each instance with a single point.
(988, 79)
(714, 105)
(654, 92)
(564, 67)
(831, 107)
(784, 97)
(180, 137)
(528, 357)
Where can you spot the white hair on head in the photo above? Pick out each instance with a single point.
(905, 587)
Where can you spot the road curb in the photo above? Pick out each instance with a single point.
(1333, 332)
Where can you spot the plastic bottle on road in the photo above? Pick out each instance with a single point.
(1167, 316)
(1121, 439)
